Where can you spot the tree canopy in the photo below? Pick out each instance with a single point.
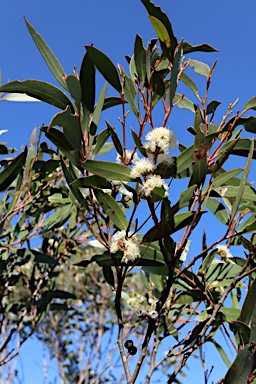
(94, 248)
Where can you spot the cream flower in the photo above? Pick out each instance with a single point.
(160, 139)
(153, 182)
(224, 252)
(142, 167)
(129, 246)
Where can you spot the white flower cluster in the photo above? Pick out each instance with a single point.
(224, 252)
(154, 181)
(160, 140)
(142, 167)
(128, 245)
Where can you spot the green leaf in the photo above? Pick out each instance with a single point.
(158, 84)
(230, 313)
(249, 225)
(243, 182)
(59, 294)
(9, 174)
(156, 12)
(188, 48)
(248, 305)
(251, 104)
(242, 366)
(241, 331)
(75, 191)
(105, 66)
(218, 209)
(169, 226)
(111, 171)
(92, 181)
(71, 127)
(108, 275)
(111, 208)
(139, 144)
(224, 153)
(212, 106)
(199, 166)
(111, 101)
(222, 353)
(188, 81)
(140, 59)
(115, 139)
(174, 73)
(249, 123)
(74, 89)
(184, 103)
(59, 139)
(129, 91)
(98, 109)
(199, 67)
(40, 90)
(220, 271)
(161, 31)
(225, 177)
(100, 140)
(49, 57)
(43, 258)
(87, 81)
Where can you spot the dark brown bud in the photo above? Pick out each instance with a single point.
(128, 344)
(133, 350)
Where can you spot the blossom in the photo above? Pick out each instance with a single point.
(154, 181)
(165, 159)
(160, 140)
(224, 252)
(128, 245)
(142, 167)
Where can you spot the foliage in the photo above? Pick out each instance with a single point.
(111, 243)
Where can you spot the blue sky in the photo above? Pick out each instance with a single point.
(112, 25)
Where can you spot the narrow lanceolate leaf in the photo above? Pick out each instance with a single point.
(75, 191)
(111, 208)
(242, 366)
(156, 12)
(199, 167)
(226, 176)
(9, 174)
(199, 67)
(105, 66)
(98, 109)
(139, 144)
(174, 74)
(188, 48)
(249, 305)
(74, 89)
(243, 182)
(87, 81)
(100, 140)
(111, 171)
(161, 31)
(251, 104)
(49, 57)
(92, 181)
(39, 90)
(188, 81)
(218, 209)
(140, 59)
(184, 103)
(71, 127)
